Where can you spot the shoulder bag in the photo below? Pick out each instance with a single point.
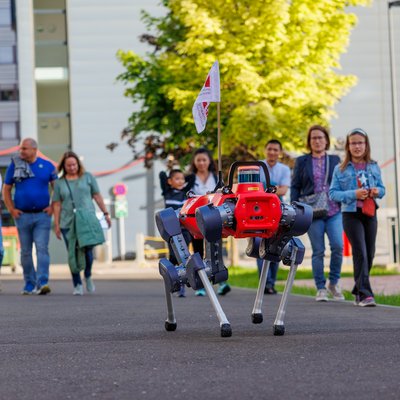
(87, 226)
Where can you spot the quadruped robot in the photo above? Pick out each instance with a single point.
(241, 210)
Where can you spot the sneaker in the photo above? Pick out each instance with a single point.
(270, 290)
(367, 302)
(336, 292)
(356, 300)
(200, 292)
(90, 287)
(43, 290)
(322, 295)
(28, 289)
(223, 289)
(78, 290)
(182, 291)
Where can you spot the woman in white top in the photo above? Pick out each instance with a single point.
(203, 179)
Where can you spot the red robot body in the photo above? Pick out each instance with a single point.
(255, 213)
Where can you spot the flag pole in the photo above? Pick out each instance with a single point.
(220, 182)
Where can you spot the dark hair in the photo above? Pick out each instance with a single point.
(173, 172)
(274, 141)
(347, 157)
(61, 164)
(202, 150)
(321, 129)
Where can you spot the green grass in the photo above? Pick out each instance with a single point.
(248, 278)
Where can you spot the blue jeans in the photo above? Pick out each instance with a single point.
(333, 227)
(272, 272)
(76, 278)
(35, 228)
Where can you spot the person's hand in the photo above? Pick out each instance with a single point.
(16, 213)
(374, 192)
(57, 231)
(48, 210)
(361, 194)
(108, 220)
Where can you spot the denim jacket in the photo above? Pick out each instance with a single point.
(344, 185)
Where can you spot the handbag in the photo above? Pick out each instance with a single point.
(319, 201)
(369, 207)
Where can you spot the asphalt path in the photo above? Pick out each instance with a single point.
(112, 345)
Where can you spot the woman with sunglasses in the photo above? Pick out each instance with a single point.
(355, 180)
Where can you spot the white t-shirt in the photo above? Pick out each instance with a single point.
(201, 187)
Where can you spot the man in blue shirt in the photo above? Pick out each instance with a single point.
(31, 211)
(279, 175)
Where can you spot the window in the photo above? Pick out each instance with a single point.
(8, 93)
(6, 55)
(8, 130)
(5, 17)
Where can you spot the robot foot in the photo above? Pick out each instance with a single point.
(257, 318)
(279, 330)
(170, 326)
(226, 330)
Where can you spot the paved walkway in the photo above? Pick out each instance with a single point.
(113, 345)
(388, 285)
(130, 270)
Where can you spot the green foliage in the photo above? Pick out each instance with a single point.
(279, 65)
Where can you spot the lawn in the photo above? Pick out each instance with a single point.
(248, 278)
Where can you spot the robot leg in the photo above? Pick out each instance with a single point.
(172, 283)
(174, 276)
(292, 255)
(195, 270)
(256, 315)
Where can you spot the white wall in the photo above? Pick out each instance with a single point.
(26, 68)
(99, 112)
(368, 105)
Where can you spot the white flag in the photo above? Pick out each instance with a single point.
(210, 93)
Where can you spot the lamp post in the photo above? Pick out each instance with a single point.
(396, 138)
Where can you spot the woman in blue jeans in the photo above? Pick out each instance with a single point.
(310, 174)
(356, 179)
(76, 189)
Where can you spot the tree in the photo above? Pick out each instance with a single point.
(279, 65)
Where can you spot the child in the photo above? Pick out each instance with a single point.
(174, 191)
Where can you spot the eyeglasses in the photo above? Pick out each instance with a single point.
(318, 138)
(353, 144)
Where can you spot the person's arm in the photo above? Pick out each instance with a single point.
(9, 202)
(296, 182)
(98, 198)
(49, 209)
(336, 192)
(379, 190)
(281, 190)
(56, 212)
(53, 177)
(284, 184)
(163, 182)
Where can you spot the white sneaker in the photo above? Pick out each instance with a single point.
(90, 287)
(336, 292)
(78, 290)
(322, 295)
